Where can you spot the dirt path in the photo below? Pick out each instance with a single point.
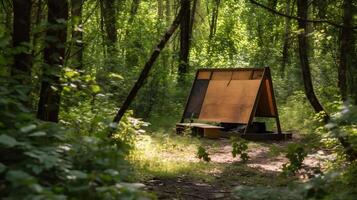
(263, 168)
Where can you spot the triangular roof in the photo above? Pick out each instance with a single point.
(232, 95)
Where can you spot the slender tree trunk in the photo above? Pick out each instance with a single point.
(77, 32)
(309, 91)
(214, 18)
(304, 60)
(101, 26)
(147, 67)
(192, 18)
(133, 10)
(213, 25)
(184, 40)
(168, 12)
(21, 68)
(36, 36)
(109, 16)
(160, 10)
(131, 52)
(286, 42)
(346, 48)
(54, 53)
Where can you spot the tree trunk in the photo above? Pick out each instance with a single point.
(147, 67)
(21, 68)
(160, 10)
(286, 42)
(168, 12)
(304, 60)
(54, 53)
(213, 25)
(192, 18)
(346, 48)
(109, 16)
(133, 10)
(77, 32)
(184, 40)
(214, 18)
(309, 91)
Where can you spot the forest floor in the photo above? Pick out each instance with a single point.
(169, 166)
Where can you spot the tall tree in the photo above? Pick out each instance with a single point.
(109, 17)
(213, 24)
(302, 10)
(286, 39)
(21, 68)
(148, 65)
(184, 40)
(77, 32)
(133, 10)
(192, 17)
(54, 54)
(214, 18)
(346, 48)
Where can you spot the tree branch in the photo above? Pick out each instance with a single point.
(147, 67)
(298, 18)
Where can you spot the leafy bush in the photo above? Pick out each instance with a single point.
(240, 146)
(338, 183)
(202, 154)
(296, 155)
(41, 160)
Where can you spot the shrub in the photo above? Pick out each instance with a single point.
(202, 154)
(41, 160)
(240, 147)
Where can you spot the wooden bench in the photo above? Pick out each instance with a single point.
(204, 130)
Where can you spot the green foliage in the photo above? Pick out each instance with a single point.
(240, 147)
(42, 160)
(202, 154)
(296, 155)
(337, 183)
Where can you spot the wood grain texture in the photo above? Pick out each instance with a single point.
(229, 101)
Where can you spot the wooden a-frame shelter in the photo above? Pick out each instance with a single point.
(232, 95)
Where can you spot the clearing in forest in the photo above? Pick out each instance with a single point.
(168, 165)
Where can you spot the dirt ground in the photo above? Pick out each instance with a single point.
(263, 168)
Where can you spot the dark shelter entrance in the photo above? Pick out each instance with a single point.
(232, 97)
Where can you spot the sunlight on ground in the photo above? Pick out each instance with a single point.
(164, 156)
(170, 156)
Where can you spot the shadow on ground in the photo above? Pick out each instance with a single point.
(263, 169)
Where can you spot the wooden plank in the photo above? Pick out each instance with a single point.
(230, 69)
(201, 125)
(224, 75)
(266, 104)
(229, 101)
(256, 100)
(241, 75)
(211, 133)
(204, 75)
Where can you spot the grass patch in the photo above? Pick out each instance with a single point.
(167, 156)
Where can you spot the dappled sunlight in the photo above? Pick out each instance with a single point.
(168, 156)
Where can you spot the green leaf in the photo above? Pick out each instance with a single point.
(95, 88)
(7, 140)
(28, 128)
(117, 76)
(18, 177)
(76, 174)
(2, 168)
(38, 134)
